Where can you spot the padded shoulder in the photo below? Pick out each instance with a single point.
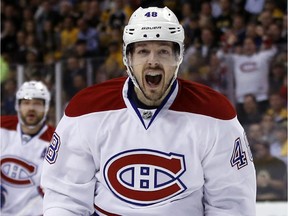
(9, 122)
(101, 97)
(47, 135)
(200, 99)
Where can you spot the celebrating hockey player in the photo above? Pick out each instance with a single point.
(24, 141)
(149, 143)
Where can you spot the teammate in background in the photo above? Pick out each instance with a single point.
(24, 141)
(149, 144)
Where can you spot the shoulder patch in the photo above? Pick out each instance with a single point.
(9, 122)
(100, 97)
(200, 99)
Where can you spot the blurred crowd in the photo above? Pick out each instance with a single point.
(86, 35)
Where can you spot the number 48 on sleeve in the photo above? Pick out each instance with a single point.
(239, 155)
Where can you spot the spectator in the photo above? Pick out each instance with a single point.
(73, 69)
(32, 70)
(251, 70)
(9, 12)
(186, 12)
(50, 39)
(205, 13)
(254, 7)
(279, 148)
(218, 78)
(216, 9)
(277, 108)
(224, 21)
(65, 9)
(20, 54)
(115, 35)
(271, 5)
(27, 15)
(265, 18)
(8, 38)
(255, 132)
(239, 27)
(33, 44)
(68, 35)
(81, 51)
(205, 48)
(192, 30)
(93, 13)
(276, 78)
(88, 34)
(274, 33)
(8, 97)
(29, 28)
(271, 174)
(45, 13)
(251, 113)
(267, 126)
(251, 32)
(118, 16)
(113, 64)
(79, 82)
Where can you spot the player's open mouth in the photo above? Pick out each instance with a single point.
(153, 80)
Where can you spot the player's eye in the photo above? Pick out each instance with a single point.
(142, 51)
(164, 52)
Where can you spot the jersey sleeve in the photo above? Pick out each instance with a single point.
(68, 176)
(230, 182)
(268, 54)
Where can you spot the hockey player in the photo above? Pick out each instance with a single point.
(149, 144)
(24, 141)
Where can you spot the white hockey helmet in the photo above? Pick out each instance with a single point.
(33, 90)
(152, 24)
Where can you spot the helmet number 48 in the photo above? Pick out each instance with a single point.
(153, 14)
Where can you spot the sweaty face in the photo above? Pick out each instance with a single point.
(154, 64)
(31, 111)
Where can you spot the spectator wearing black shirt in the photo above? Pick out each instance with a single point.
(271, 174)
(8, 38)
(251, 113)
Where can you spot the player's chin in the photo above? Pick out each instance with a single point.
(154, 95)
(32, 121)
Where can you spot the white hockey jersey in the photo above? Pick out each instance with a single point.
(21, 166)
(187, 157)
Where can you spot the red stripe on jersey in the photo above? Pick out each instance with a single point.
(9, 122)
(200, 99)
(47, 135)
(101, 97)
(104, 212)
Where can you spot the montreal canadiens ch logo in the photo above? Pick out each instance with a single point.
(17, 171)
(145, 177)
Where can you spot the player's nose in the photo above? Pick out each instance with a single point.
(153, 59)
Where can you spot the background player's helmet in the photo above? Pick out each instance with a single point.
(152, 24)
(33, 90)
